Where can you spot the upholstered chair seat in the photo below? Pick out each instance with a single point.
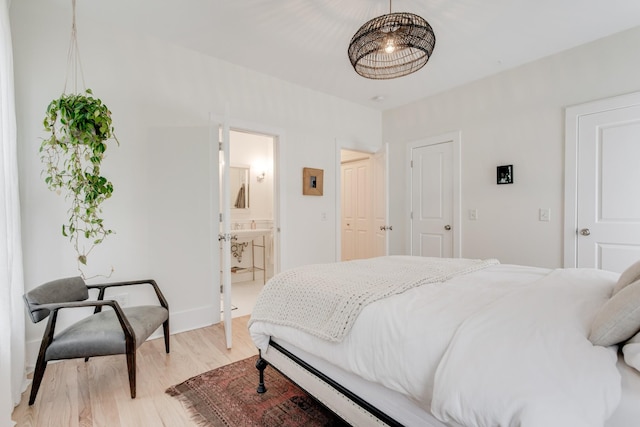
(102, 335)
(116, 330)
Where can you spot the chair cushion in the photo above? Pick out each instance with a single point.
(101, 334)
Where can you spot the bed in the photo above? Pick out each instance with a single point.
(420, 341)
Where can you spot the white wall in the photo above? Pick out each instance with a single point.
(515, 117)
(158, 91)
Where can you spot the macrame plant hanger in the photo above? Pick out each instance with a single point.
(74, 65)
(79, 126)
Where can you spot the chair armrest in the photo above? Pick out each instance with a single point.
(104, 286)
(55, 307)
(75, 304)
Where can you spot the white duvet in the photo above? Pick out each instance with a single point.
(505, 346)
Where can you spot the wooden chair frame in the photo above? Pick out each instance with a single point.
(129, 334)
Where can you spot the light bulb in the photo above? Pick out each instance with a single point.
(390, 47)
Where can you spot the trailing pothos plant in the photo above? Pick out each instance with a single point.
(80, 127)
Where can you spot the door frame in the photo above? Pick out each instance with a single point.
(354, 146)
(455, 138)
(228, 123)
(573, 114)
(279, 178)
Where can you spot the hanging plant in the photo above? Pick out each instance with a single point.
(79, 126)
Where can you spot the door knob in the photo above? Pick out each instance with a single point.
(585, 232)
(447, 227)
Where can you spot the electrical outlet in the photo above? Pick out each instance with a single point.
(122, 299)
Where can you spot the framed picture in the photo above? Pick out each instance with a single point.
(312, 181)
(504, 174)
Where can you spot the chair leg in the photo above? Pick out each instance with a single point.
(165, 328)
(131, 368)
(41, 365)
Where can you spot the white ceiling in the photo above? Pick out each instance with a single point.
(305, 41)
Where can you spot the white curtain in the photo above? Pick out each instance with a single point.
(12, 312)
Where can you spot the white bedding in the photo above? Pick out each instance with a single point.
(503, 346)
(325, 299)
(532, 364)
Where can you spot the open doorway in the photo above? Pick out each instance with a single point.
(252, 216)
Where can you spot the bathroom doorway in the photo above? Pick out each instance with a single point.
(252, 216)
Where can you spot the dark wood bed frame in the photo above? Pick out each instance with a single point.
(261, 365)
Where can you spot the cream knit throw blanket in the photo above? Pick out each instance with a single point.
(325, 299)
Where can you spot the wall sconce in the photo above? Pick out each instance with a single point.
(260, 168)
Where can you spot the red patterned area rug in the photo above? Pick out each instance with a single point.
(227, 397)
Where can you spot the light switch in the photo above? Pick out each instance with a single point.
(473, 214)
(544, 214)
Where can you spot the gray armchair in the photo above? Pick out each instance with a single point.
(117, 331)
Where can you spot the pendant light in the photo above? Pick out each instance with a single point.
(391, 46)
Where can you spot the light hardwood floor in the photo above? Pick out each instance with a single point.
(96, 393)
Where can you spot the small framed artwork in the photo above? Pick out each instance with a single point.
(312, 181)
(504, 174)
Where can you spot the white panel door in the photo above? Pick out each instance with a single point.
(364, 217)
(348, 213)
(432, 200)
(380, 203)
(356, 210)
(608, 191)
(220, 137)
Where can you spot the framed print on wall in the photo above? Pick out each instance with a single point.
(504, 174)
(312, 181)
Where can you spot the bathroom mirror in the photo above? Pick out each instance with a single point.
(239, 186)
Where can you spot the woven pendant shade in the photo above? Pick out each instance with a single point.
(391, 46)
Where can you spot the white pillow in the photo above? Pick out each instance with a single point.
(631, 352)
(619, 318)
(630, 275)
